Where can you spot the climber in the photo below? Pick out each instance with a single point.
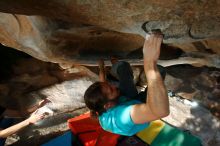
(117, 108)
(7, 120)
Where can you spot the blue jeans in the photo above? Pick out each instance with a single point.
(123, 73)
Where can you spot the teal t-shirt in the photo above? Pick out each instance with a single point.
(118, 119)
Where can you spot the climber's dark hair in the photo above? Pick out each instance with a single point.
(95, 99)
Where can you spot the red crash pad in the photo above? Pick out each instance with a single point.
(90, 133)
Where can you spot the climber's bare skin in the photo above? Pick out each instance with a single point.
(157, 104)
(4, 133)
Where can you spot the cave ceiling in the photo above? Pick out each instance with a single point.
(81, 31)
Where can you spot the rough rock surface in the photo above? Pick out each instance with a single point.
(82, 31)
(70, 31)
(177, 19)
(196, 83)
(183, 115)
(66, 95)
(195, 118)
(28, 75)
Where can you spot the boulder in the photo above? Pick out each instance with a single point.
(80, 32)
(195, 118)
